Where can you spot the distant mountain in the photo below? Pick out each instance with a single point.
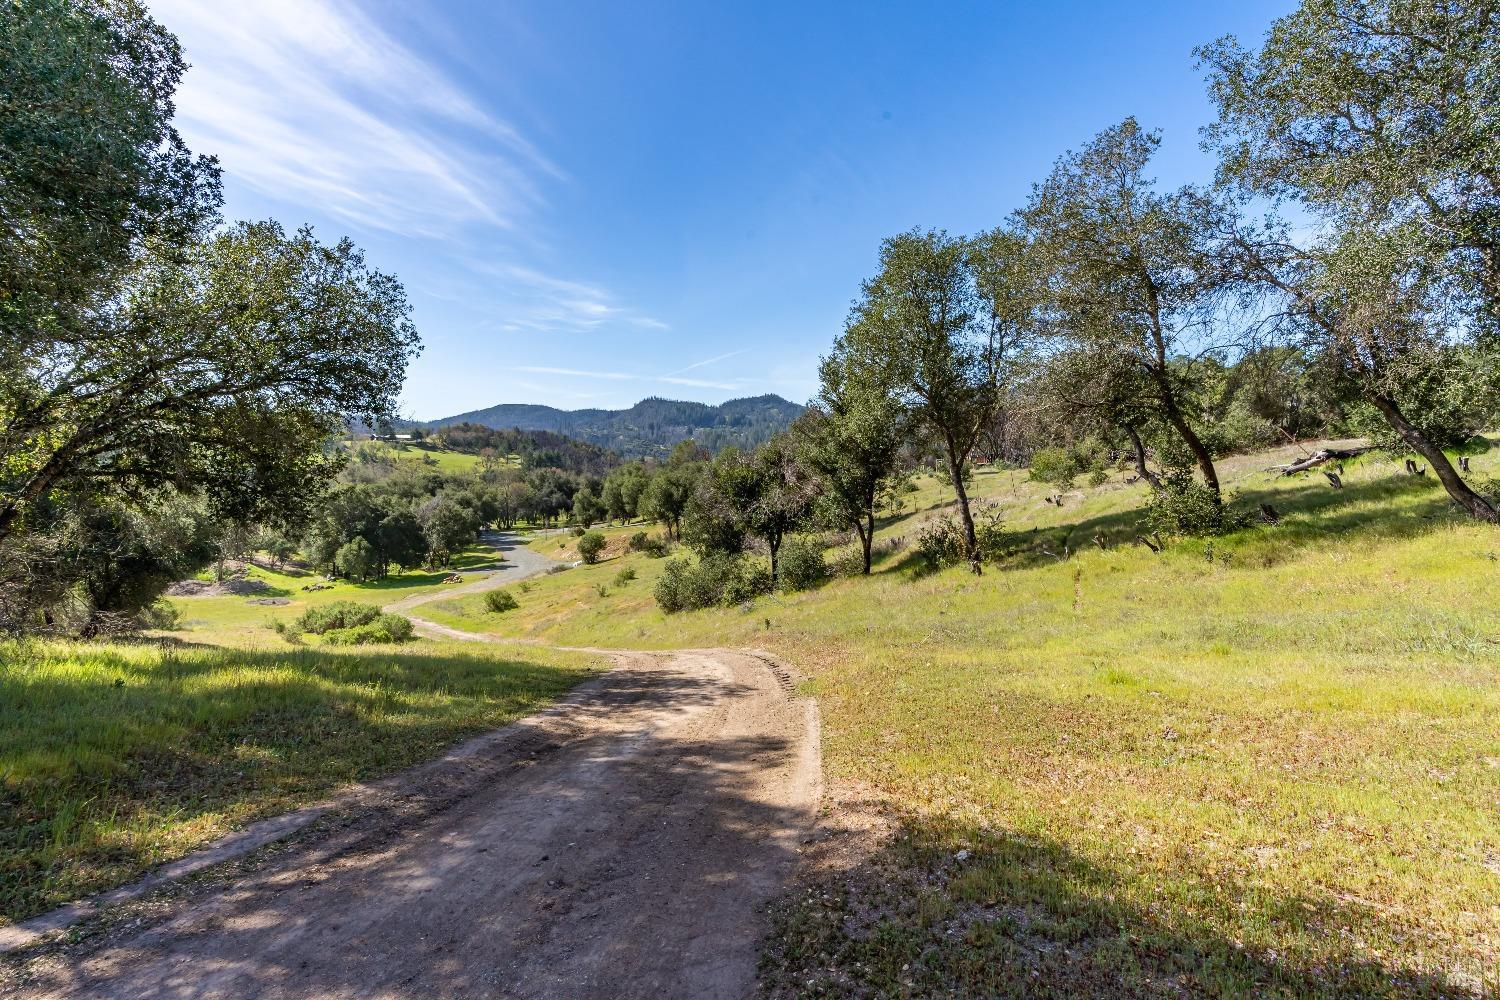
(650, 427)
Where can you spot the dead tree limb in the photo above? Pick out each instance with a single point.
(1318, 458)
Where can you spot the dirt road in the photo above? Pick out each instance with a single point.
(617, 845)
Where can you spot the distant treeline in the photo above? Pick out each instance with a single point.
(650, 428)
(535, 449)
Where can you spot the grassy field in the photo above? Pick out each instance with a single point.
(429, 454)
(117, 757)
(238, 618)
(1268, 763)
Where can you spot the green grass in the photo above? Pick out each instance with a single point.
(116, 758)
(423, 453)
(238, 618)
(1268, 762)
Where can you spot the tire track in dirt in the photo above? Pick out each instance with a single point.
(620, 844)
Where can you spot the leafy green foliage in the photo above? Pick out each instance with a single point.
(590, 546)
(500, 601)
(384, 629)
(652, 545)
(719, 578)
(1185, 506)
(338, 615)
(802, 566)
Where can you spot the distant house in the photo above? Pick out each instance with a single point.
(393, 437)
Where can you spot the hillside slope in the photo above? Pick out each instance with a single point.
(1264, 764)
(650, 427)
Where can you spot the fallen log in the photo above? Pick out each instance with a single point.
(1317, 458)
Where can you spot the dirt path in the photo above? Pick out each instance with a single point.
(618, 846)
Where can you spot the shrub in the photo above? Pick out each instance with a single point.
(624, 576)
(590, 546)
(801, 564)
(601, 589)
(1055, 466)
(940, 542)
(716, 579)
(385, 628)
(497, 601)
(357, 560)
(160, 614)
(338, 615)
(524, 586)
(579, 532)
(1184, 506)
(653, 545)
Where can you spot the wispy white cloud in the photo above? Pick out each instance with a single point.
(626, 377)
(542, 302)
(314, 103)
(709, 361)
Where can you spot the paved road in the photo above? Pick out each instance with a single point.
(620, 844)
(518, 563)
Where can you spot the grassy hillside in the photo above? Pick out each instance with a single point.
(425, 454)
(1269, 762)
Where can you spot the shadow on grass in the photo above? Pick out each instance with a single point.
(952, 911)
(1391, 508)
(98, 744)
(616, 860)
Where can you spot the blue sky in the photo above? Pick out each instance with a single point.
(592, 203)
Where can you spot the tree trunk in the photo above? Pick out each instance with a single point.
(1472, 503)
(1140, 458)
(774, 543)
(1189, 436)
(867, 537)
(971, 540)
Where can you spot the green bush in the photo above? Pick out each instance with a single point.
(590, 546)
(579, 532)
(385, 628)
(653, 545)
(1184, 506)
(496, 601)
(801, 565)
(940, 542)
(338, 615)
(717, 579)
(160, 614)
(624, 576)
(1056, 466)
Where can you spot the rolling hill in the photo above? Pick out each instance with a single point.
(650, 427)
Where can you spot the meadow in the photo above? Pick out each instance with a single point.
(117, 757)
(1264, 762)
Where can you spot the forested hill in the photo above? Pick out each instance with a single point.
(650, 427)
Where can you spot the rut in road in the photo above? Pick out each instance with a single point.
(619, 845)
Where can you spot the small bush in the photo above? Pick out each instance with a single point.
(497, 601)
(940, 542)
(653, 545)
(717, 579)
(524, 586)
(624, 576)
(579, 532)
(801, 565)
(338, 615)
(1184, 506)
(601, 589)
(160, 614)
(385, 628)
(590, 546)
